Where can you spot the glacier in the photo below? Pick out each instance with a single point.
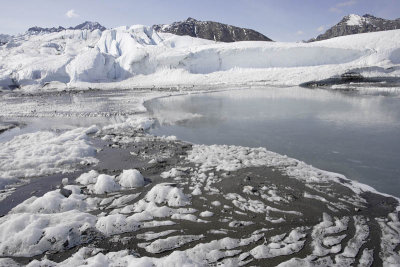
(140, 57)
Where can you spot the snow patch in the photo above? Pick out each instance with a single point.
(131, 178)
(43, 153)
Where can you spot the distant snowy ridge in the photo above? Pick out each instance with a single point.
(4, 38)
(139, 56)
(87, 25)
(354, 24)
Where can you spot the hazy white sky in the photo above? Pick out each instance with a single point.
(281, 20)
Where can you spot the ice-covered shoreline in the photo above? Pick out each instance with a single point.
(173, 208)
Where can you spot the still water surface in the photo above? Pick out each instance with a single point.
(356, 135)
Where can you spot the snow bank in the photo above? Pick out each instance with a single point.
(43, 153)
(53, 202)
(169, 194)
(102, 183)
(116, 224)
(138, 56)
(26, 234)
(88, 178)
(131, 178)
(105, 184)
(232, 158)
(131, 123)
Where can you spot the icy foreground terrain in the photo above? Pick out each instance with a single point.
(138, 56)
(142, 200)
(132, 199)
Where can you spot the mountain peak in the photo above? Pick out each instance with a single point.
(354, 24)
(211, 30)
(355, 20)
(191, 19)
(89, 25)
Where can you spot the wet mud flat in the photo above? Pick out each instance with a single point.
(252, 215)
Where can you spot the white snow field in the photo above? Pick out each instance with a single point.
(137, 56)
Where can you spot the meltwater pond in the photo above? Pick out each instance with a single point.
(355, 135)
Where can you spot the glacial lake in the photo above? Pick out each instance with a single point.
(353, 134)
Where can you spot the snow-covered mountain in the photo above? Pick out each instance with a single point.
(4, 38)
(211, 30)
(139, 56)
(87, 25)
(353, 24)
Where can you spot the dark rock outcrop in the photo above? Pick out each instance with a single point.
(353, 24)
(211, 30)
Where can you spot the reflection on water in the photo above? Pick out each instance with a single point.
(355, 135)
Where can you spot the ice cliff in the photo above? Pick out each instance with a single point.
(139, 56)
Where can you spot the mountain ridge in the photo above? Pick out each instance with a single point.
(354, 24)
(211, 30)
(87, 25)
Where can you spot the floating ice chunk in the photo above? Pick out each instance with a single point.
(187, 217)
(131, 178)
(359, 238)
(196, 191)
(279, 247)
(174, 172)
(331, 241)
(390, 228)
(135, 123)
(216, 203)
(206, 214)
(64, 181)
(116, 224)
(52, 202)
(88, 178)
(153, 224)
(327, 227)
(169, 194)
(235, 223)
(105, 184)
(367, 258)
(32, 234)
(149, 210)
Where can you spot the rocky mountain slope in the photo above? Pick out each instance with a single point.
(353, 24)
(87, 25)
(211, 30)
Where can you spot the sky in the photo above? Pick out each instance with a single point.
(280, 20)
